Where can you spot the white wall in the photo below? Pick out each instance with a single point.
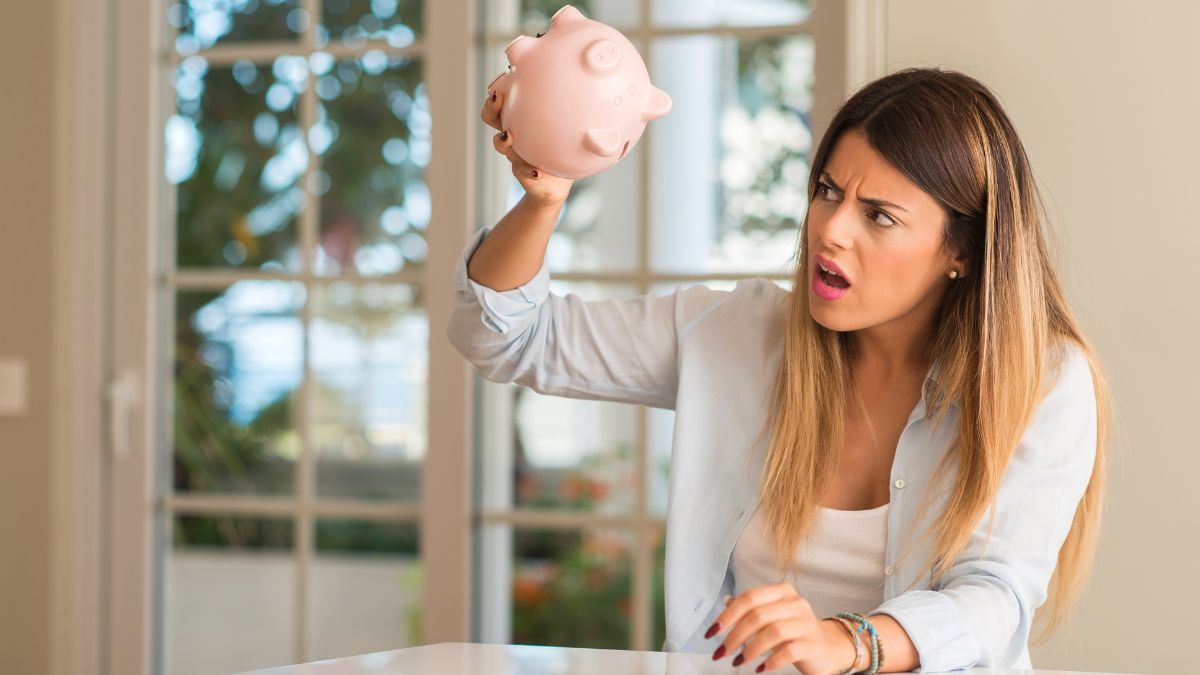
(1105, 97)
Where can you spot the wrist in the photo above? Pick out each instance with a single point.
(849, 651)
(543, 203)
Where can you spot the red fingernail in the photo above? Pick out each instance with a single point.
(761, 667)
(739, 660)
(713, 630)
(719, 653)
(504, 135)
(493, 94)
(534, 172)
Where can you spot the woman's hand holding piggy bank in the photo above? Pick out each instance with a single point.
(543, 188)
(573, 101)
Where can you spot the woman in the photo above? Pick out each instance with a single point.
(918, 437)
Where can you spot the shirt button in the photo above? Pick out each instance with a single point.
(889, 570)
(899, 482)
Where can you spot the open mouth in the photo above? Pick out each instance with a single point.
(832, 279)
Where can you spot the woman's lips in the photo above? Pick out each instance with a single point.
(824, 290)
(832, 266)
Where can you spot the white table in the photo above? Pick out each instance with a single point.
(460, 658)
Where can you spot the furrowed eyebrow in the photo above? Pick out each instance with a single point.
(866, 200)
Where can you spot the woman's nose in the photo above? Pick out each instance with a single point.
(837, 228)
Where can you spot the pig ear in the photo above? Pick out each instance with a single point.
(603, 142)
(566, 14)
(518, 48)
(657, 106)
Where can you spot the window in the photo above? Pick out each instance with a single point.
(573, 493)
(295, 148)
(289, 481)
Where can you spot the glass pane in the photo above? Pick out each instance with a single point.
(230, 594)
(370, 364)
(365, 589)
(562, 588)
(735, 203)
(571, 453)
(729, 12)
(204, 23)
(373, 136)
(352, 22)
(598, 228)
(236, 153)
(238, 364)
(535, 14)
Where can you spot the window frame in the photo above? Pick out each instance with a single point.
(113, 297)
(144, 280)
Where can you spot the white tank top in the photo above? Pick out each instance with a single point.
(839, 569)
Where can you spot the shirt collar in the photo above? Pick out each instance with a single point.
(931, 391)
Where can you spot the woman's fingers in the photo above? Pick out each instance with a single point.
(490, 113)
(783, 628)
(503, 142)
(496, 78)
(763, 617)
(738, 607)
(538, 185)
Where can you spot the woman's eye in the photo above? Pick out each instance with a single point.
(888, 223)
(823, 189)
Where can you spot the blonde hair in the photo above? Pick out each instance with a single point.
(948, 134)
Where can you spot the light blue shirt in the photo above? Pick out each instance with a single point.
(711, 356)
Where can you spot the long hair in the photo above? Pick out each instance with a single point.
(947, 133)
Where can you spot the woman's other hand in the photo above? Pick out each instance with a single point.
(778, 620)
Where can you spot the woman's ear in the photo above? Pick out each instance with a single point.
(960, 264)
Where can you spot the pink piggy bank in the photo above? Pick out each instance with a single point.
(577, 97)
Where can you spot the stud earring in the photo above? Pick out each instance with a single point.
(953, 274)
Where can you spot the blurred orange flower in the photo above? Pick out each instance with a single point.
(598, 490)
(577, 486)
(528, 591)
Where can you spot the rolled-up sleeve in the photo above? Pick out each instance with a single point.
(611, 350)
(499, 310)
(982, 611)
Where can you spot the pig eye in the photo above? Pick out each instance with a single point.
(540, 34)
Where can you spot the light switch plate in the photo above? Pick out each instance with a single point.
(14, 387)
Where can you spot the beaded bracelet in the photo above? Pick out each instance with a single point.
(858, 647)
(873, 666)
(879, 643)
(876, 642)
(864, 623)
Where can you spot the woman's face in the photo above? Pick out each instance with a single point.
(890, 254)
